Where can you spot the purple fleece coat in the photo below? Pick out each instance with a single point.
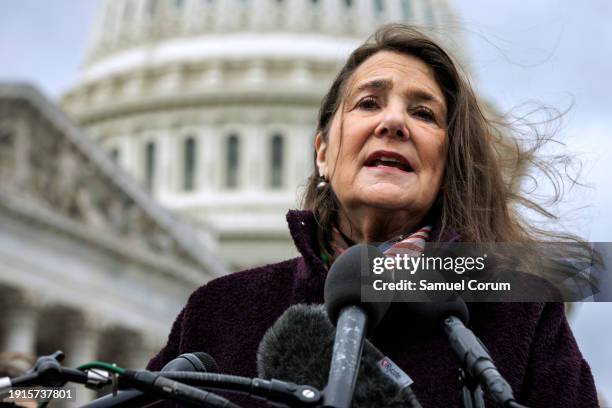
(531, 343)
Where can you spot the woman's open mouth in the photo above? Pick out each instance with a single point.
(388, 160)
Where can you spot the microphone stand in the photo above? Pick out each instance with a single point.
(146, 387)
(471, 391)
(272, 391)
(477, 367)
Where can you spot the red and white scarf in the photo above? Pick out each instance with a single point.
(411, 244)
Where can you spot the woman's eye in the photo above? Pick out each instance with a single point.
(368, 103)
(425, 114)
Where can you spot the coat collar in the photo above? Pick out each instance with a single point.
(310, 271)
(303, 228)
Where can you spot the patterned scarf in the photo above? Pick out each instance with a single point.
(411, 244)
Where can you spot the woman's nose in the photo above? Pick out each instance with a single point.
(392, 124)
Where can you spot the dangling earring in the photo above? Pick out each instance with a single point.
(322, 183)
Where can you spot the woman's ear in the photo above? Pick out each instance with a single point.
(321, 148)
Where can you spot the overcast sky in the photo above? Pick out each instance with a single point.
(555, 52)
(559, 52)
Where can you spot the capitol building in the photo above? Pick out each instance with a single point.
(211, 105)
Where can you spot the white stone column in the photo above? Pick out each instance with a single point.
(130, 158)
(81, 346)
(260, 9)
(298, 14)
(365, 16)
(216, 164)
(251, 157)
(263, 138)
(192, 15)
(407, 10)
(205, 158)
(418, 11)
(20, 324)
(432, 12)
(139, 19)
(166, 163)
(303, 153)
(393, 11)
(314, 16)
(332, 10)
(278, 16)
(291, 158)
(112, 23)
(223, 15)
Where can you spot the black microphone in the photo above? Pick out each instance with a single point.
(196, 362)
(299, 346)
(176, 391)
(474, 356)
(352, 317)
(478, 363)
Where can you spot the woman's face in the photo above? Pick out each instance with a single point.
(386, 146)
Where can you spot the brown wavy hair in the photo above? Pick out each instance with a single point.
(480, 196)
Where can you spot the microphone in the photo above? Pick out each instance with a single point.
(299, 346)
(352, 318)
(474, 356)
(196, 362)
(478, 363)
(174, 390)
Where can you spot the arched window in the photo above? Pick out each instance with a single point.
(379, 6)
(277, 161)
(114, 154)
(150, 165)
(232, 161)
(7, 137)
(348, 3)
(189, 163)
(151, 7)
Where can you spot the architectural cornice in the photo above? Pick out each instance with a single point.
(180, 234)
(31, 212)
(230, 47)
(184, 99)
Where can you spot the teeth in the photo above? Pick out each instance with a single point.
(390, 162)
(389, 159)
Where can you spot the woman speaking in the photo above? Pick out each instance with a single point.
(403, 156)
